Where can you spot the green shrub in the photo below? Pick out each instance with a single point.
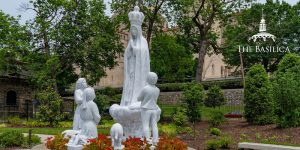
(102, 102)
(171, 87)
(216, 118)
(50, 105)
(224, 84)
(66, 124)
(34, 141)
(11, 139)
(109, 91)
(213, 144)
(215, 131)
(259, 106)
(193, 96)
(225, 142)
(286, 91)
(214, 97)
(179, 117)
(14, 120)
(168, 129)
(2, 125)
(289, 62)
(222, 143)
(35, 123)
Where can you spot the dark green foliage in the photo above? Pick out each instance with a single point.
(286, 91)
(285, 30)
(170, 60)
(14, 120)
(213, 144)
(216, 118)
(193, 97)
(50, 105)
(215, 131)
(289, 63)
(109, 91)
(34, 140)
(14, 45)
(259, 106)
(224, 84)
(214, 97)
(11, 139)
(219, 143)
(102, 102)
(180, 117)
(225, 142)
(68, 35)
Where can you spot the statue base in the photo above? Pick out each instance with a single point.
(130, 119)
(119, 148)
(74, 147)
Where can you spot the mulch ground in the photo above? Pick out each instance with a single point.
(239, 130)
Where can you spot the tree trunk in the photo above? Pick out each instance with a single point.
(149, 32)
(201, 54)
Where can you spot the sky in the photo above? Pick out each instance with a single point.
(12, 7)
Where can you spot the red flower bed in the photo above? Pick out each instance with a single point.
(132, 143)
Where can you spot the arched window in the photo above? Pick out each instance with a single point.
(222, 71)
(212, 69)
(11, 98)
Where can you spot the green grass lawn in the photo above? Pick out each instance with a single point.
(49, 131)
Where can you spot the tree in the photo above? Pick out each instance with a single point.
(193, 97)
(285, 91)
(171, 60)
(14, 45)
(157, 13)
(214, 97)
(69, 35)
(50, 105)
(198, 20)
(282, 20)
(259, 105)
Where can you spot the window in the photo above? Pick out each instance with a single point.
(11, 98)
(212, 69)
(222, 71)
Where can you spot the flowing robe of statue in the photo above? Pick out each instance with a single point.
(136, 67)
(78, 97)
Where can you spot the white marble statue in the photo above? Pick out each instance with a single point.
(116, 134)
(90, 117)
(78, 97)
(136, 68)
(136, 60)
(150, 109)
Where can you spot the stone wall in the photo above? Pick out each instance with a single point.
(22, 90)
(233, 96)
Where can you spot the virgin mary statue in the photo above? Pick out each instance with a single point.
(136, 60)
(136, 69)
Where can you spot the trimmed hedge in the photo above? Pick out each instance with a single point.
(223, 84)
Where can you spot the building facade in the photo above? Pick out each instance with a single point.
(15, 96)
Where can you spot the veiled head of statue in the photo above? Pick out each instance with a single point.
(152, 78)
(134, 32)
(89, 94)
(81, 84)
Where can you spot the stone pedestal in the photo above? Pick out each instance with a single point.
(119, 148)
(74, 147)
(130, 119)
